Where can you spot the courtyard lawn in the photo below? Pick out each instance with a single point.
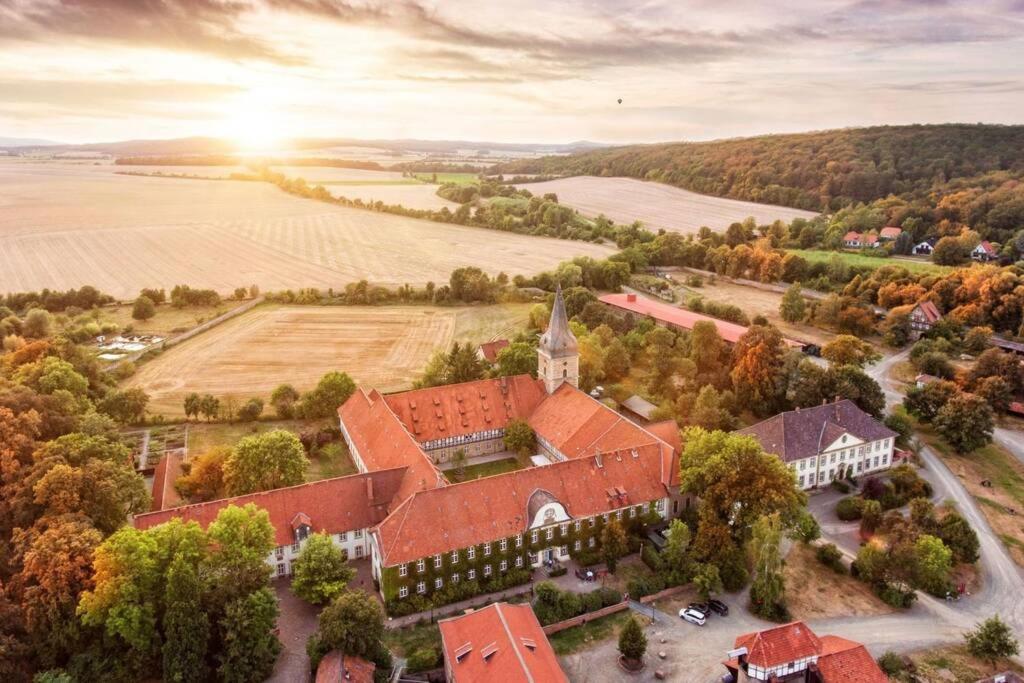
(583, 637)
(487, 469)
(863, 261)
(405, 641)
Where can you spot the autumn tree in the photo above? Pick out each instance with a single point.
(320, 573)
(143, 308)
(845, 349)
(186, 625)
(262, 462)
(333, 389)
(966, 422)
(793, 307)
(518, 358)
(926, 402)
(283, 398)
(758, 374)
(127, 406)
(613, 543)
(205, 478)
(519, 437)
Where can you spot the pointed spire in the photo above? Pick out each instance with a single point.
(559, 339)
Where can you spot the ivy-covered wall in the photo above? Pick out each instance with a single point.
(589, 528)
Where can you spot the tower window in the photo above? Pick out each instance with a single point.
(565, 373)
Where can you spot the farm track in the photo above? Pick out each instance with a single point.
(625, 200)
(66, 225)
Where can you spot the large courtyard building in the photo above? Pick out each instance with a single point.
(429, 538)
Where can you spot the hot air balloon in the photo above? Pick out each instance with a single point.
(620, 100)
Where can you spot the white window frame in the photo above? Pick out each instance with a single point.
(403, 591)
(403, 570)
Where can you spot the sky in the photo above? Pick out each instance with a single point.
(260, 71)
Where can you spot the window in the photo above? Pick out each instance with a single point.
(403, 591)
(519, 540)
(860, 465)
(295, 548)
(503, 544)
(471, 552)
(438, 582)
(534, 558)
(564, 529)
(885, 458)
(564, 551)
(344, 553)
(644, 508)
(810, 478)
(519, 561)
(471, 574)
(593, 522)
(632, 512)
(487, 570)
(280, 569)
(279, 552)
(421, 587)
(618, 515)
(577, 524)
(605, 517)
(577, 545)
(358, 533)
(455, 557)
(833, 458)
(803, 464)
(503, 566)
(801, 480)
(660, 505)
(876, 461)
(590, 542)
(437, 561)
(421, 566)
(821, 460)
(549, 533)
(533, 537)
(359, 551)
(455, 578)
(403, 570)
(487, 549)
(343, 536)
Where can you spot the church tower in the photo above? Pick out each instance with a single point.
(558, 356)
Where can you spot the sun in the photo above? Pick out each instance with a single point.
(255, 130)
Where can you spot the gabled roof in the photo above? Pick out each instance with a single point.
(500, 643)
(780, 644)
(384, 443)
(491, 508)
(804, 432)
(166, 473)
(678, 317)
(852, 236)
(890, 232)
(558, 340)
(930, 310)
(466, 408)
(640, 406)
(844, 661)
(489, 350)
(358, 501)
(869, 238)
(577, 424)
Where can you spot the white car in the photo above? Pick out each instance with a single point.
(692, 616)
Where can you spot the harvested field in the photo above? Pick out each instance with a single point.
(625, 200)
(384, 347)
(67, 225)
(371, 186)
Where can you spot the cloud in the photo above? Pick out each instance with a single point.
(206, 26)
(109, 97)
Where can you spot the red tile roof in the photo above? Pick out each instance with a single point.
(671, 315)
(358, 501)
(851, 236)
(167, 472)
(844, 661)
(577, 424)
(931, 312)
(467, 408)
(489, 350)
(890, 232)
(383, 442)
(668, 431)
(491, 508)
(780, 644)
(336, 667)
(500, 643)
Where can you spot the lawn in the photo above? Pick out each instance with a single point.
(487, 469)
(404, 641)
(816, 592)
(168, 319)
(457, 178)
(573, 640)
(995, 464)
(860, 260)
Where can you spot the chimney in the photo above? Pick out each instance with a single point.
(631, 298)
(598, 458)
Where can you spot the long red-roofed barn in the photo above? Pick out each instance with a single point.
(426, 535)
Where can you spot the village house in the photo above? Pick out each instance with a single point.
(500, 642)
(793, 652)
(856, 240)
(889, 233)
(923, 315)
(926, 247)
(425, 535)
(488, 351)
(985, 251)
(827, 442)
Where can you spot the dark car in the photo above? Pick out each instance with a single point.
(719, 607)
(701, 607)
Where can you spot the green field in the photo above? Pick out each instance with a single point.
(862, 261)
(515, 203)
(457, 178)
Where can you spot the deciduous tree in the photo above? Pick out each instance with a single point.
(186, 625)
(846, 349)
(793, 307)
(613, 543)
(320, 573)
(991, 640)
(262, 462)
(632, 641)
(965, 422)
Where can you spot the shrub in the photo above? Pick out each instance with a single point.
(558, 571)
(849, 509)
(891, 663)
(830, 556)
(423, 659)
(651, 558)
(840, 485)
(894, 597)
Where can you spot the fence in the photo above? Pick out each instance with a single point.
(584, 618)
(667, 593)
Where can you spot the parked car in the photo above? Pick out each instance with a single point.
(719, 607)
(701, 607)
(692, 616)
(585, 574)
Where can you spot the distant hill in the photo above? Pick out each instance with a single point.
(26, 142)
(817, 171)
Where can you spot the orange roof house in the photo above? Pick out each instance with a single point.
(489, 350)
(500, 643)
(793, 652)
(890, 232)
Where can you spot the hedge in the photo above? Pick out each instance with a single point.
(849, 508)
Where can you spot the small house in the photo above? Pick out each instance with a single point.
(985, 251)
(925, 248)
(890, 232)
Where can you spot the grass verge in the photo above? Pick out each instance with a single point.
(573, 640)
